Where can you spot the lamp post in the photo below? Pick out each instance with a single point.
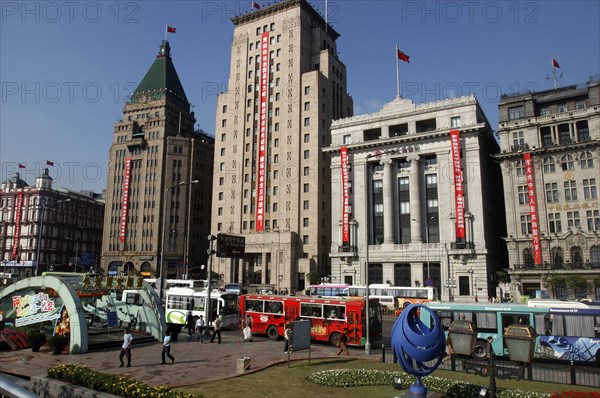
(426, 240)
(39, 240)
(276, 229)
(164, 227)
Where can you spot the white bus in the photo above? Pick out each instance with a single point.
(396, 297)
(181, 300)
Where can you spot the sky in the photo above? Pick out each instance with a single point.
(66, 67)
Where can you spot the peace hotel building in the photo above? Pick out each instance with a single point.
(272, 183)
(402, 192)
(159, 181)
(554, 223)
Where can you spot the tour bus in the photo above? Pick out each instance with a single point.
(329, 290)
(329, 317)
(563, 333)
(181, 300)
(396, 298)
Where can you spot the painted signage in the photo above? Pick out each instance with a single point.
(261, 167)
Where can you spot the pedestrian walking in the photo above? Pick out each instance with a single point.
(247, 328)
(166, 350)
(126, 348)
(287, 335)
(342, 343)
(200, 329)
(217, 331)
(189, 320)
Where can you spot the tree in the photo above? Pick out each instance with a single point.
(314, 277)
(502, 276)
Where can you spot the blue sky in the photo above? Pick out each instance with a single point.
(67, 67)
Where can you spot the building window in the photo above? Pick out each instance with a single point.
(523, 195)
(554, 222)
(564, 134)
(525, 224)
(549, 165)
(306, 138)
(570, 188)
(520, 168)
(545, 111)
(306, 171)
(455, 121)
(552, 192)
(347, 139)
(589, 189)
(221, 180)
(223, 137)
(561, 108)
(516, 112)
(307, 154)
(527, 258)
(305, 205)
(307, 106)
(306, 121)
(580, 104)
(306, 187)
(546, 137)
(464, 288)
(586, 161)
(307, 90)
(593, 222)
(518, 139)
(573, 219)
(305, 222)
(567, 163)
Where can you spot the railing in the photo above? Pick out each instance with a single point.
(520, 147)
(561, 373)
(462, 245)
(557, 266)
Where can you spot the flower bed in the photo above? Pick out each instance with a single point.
(126, 387)
(451, 388)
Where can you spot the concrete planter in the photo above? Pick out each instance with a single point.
(46, 387)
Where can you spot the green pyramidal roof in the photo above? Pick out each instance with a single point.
(162, 76)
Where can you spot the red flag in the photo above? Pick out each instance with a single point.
(171, 29)
(555, 64)
(255, 5)
(403, 57)
(21, 166)
(49, 163)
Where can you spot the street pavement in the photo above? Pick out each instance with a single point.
(194, 362)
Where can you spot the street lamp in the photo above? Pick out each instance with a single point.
(164, 227)
(367, 223)
(276, 229)
(426, 239)
(39, 240)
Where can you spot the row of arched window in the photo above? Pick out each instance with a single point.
(565, 162)
(557, 257)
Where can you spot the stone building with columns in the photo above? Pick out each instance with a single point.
(559, 131)
(398, 184)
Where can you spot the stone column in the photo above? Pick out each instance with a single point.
(416, 229)
(388, 201)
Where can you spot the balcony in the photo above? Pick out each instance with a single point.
(557, 266)
(345, 251)
(462, 246)
(520, 147)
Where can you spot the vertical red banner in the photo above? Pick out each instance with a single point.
(18, 215)
(535, 227)
(262, 133)
(125, 200)
(345, 201)
(459, 198)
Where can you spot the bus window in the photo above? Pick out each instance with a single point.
(274, 307)
(511, 319)
(581, 326)
(312, 310)
(334, 312)
(254, 305)
(486, 320)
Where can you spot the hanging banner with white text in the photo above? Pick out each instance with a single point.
(125, 200)
(345, 201)
(459, 198)
(261, 167)
(18, 215)
(535, 228)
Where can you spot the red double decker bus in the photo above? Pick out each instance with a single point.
(328, 317)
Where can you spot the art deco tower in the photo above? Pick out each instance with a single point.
(152, 198)
(272, 186)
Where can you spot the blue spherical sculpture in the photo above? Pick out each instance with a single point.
(414, 343)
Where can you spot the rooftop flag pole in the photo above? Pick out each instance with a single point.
(554, 66)
(397, 72)
(166, 30)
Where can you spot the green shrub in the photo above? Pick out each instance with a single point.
(122, 386)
